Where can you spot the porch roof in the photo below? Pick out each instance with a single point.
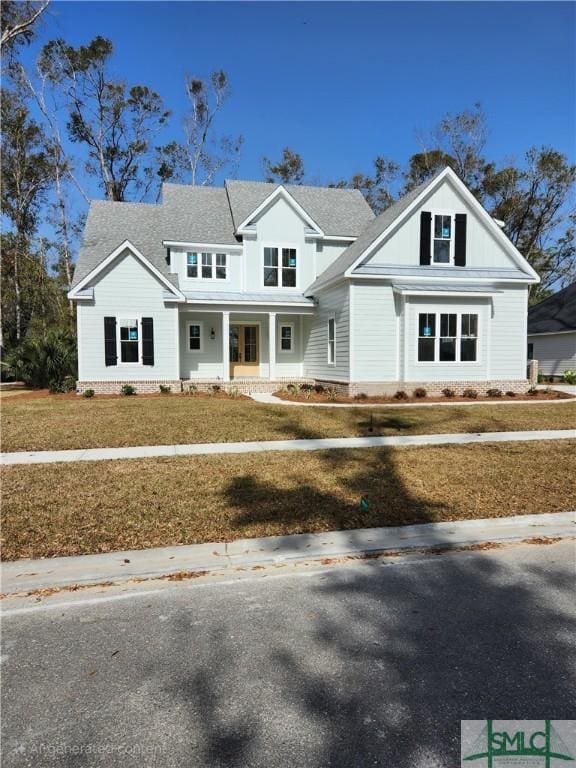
(240, 298)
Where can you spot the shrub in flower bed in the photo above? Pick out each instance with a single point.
(319, 389)
(532, 391)
(88, 393)
(400, 395)
(494, 393)
(447, 392)
(510, 394)
(361, 396)
(127, 390)
(331, 394)
(472, 394)
(420, 392)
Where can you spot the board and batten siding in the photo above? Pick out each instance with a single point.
(402, 246)
(333, 302)
(555, 352)
(375, 332)
(127, 290)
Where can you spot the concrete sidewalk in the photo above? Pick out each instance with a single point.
(321, 444)
(27, 575)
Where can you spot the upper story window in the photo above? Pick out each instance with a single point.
(442, 240)
(207, 266)
(280, 267)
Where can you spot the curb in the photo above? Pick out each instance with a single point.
(27, 576)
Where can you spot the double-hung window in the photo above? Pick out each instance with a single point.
(129, 341)
(447, 337)
(331, 341)
(280, 267)
(286, 338)
(442, 239)
(212, 266)
(195, 337)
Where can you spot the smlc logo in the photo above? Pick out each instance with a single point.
(506, 742)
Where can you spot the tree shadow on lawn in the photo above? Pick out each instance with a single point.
(324, 503)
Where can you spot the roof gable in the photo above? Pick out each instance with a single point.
(394, 216)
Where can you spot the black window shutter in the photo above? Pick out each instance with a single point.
(110, 352)
(425, 232)
(147, 341)
(460, 241)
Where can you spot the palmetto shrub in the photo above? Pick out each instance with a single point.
(45, 359)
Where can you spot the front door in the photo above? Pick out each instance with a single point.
(244, 351)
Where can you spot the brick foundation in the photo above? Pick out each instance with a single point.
(241, 386)
(114, 387)
(433, 389)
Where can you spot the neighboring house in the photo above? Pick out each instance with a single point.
(258, 283)
(552, 332)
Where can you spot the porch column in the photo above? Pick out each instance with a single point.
(226, 346)
(272, 345)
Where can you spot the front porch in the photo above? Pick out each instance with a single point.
(254, 350)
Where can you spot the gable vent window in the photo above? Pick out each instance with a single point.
(442, 242)
(210, 266)
(280, 267)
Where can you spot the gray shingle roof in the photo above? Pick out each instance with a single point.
(204, 215)
(109, 224)
(196, 214)
(336, 211)
(555, 314)
(369, 234)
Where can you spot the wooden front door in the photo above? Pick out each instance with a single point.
(244, 351)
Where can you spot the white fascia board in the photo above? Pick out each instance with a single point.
(550, 333)
(126, 245)
(448, 173)
(280, 191)
(347, 238)
(182, 244)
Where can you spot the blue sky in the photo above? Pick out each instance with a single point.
(343, 82)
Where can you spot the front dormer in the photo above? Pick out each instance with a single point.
(443, 238)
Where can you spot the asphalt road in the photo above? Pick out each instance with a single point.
(360, 664)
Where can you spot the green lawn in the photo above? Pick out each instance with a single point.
(67, 509)
(60, 423)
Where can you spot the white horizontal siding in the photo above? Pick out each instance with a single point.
(482, 247)
(555, 353)
(127, 290)
(331, 303)
(375, 333)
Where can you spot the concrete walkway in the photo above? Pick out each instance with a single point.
(27, 575)
(321, 444)
(269, 399)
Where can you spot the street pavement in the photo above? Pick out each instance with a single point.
(347, 664)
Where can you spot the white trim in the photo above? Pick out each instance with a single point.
(80, 343)
(351, 330)
(348, 238)
(550, 333)
(280, 191)
(177, 344)
(272, 331)
(292, 349)
(126, 245)
(226, 346)
(213, 265)
(449, 174)
(279, 247)
(222, 246)
(199, 323)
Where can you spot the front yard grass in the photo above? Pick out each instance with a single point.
(53, 423)
(69, 509)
